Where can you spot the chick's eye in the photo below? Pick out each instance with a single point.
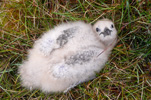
(98, 30)
(112, 26)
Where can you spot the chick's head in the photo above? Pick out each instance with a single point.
(105, 30)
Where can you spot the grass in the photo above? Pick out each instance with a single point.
(127, 74)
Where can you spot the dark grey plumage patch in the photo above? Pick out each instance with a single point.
(63, 39)
(80, 58)
(67, 34)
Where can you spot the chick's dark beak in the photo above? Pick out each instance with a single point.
(106, 32)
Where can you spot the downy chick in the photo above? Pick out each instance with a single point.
(68, 55)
